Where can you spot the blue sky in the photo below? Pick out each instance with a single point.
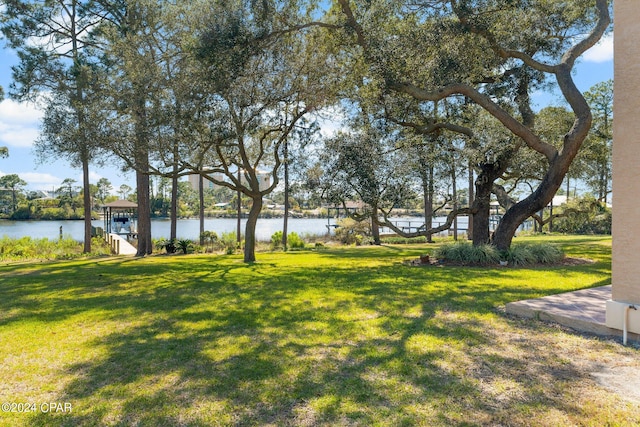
(19, 124)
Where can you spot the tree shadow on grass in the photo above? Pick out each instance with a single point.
(315, 346)
(202, 342)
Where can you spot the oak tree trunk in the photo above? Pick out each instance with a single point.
(375, 228)
(481, 209)
(250, 229)
(540, 198)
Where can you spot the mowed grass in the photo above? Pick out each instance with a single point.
(347, 336)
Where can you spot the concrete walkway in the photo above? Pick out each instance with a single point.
(120, 246)
(583, 310)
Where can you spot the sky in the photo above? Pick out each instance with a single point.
(19, 125)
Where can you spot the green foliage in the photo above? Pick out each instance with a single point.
(587, 217)
(28, 248)
(519, 255)
(167, 244)
(229, 242)
(185, 245)
(397, 240)
(323, 337)
(533, 253)
(546, 253)
(210, 239)
(468, 254)
(350, 231)
(22, 213)
(276, 240)
(294, 241)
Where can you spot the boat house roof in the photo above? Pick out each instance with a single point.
(121, 204)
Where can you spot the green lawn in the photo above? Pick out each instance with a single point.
(349, 336)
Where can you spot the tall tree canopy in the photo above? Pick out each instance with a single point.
(431, 50)
(52, 39)
(264, 78)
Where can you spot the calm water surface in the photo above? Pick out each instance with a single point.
(187, 228)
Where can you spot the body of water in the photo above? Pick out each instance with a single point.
(190, 228)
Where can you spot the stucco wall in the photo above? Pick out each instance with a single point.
(626, 153)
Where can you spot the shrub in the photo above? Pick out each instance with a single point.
(28, 248)
(168, 244)
(546, 253)
(294, 241)
(350, 231)
(398, 240)
(529, 254)
(276, 240)
(229, 242)
(185, 245)
(588, 217)
(100, 247)
(21, 213)
(210, 239)
(519, 255)
(466, 253)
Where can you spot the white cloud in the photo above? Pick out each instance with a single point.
(37, 181)
(93, 177)
(19, 123)
(18, 113)
(18, 137)
(602, 51)
(40, 180)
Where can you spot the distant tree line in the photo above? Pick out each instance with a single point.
(429, 96)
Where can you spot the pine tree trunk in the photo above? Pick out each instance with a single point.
(174, 205)
(145, 245)
(201, 207)
(87, 205)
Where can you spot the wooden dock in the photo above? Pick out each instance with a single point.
(120, 246)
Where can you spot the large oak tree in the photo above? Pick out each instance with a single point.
(263, 81)
(432, 50)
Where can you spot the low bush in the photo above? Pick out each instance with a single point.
(185, 245)
(519, 255)
(210, 239)
(229, 242)
(294, 241)
(167, 244)
(398, 240)
(276, 240)
(466, 253)
(350, 231)
(28, 248)
(546, 253)
(588, 217)
(533, 253)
